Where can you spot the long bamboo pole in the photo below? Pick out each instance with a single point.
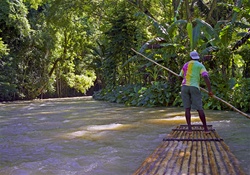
(214, 96)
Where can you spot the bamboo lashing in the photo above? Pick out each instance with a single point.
(214, 96)
(191, 157)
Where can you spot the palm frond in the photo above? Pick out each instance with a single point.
(208, 31)
(171, 28)
(208, 50)
(196, 35)
(226, 34)
(133, 58)
(203, 7)
(159, 27)
(243, 40)
(177, 10)
(241, 25)
(152, 44)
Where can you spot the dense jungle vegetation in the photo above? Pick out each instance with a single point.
(63, 48)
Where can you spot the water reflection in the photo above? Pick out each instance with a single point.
(94, 132)
(81, 136)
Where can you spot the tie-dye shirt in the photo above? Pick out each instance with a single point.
(191, 72)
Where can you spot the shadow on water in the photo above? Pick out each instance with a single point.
(81, 136)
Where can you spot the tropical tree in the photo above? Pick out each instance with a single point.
(14, 28)
(213, 35)
(61, 48)
(48, 47)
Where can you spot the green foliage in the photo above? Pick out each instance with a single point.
(56, 47)
(3, 48)
(226, 35)
(244, 53)
(34, 3)
(80, 82)
(234, 92)
(7, 90)
(44, 39)
(14, 16)
(120, 37)
(241, 95)
(156, 94)
(221, 87)
(190, 34)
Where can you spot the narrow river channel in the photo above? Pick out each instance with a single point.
(81, 136)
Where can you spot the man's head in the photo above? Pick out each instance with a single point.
(194, 55)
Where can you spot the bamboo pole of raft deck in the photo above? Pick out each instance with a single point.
(214, 96)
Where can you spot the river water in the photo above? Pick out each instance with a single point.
(81, 136)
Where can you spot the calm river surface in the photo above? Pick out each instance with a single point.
(81, 136)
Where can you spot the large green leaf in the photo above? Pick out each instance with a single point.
(190, 34)
(208, 31)
(174, 26)
(196, 35)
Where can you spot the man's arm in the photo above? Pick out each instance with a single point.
(180, 78)
(207, 81)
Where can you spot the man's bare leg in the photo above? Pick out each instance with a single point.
(203, 120)
(188, 119)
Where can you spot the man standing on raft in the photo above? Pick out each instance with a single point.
(190, 89)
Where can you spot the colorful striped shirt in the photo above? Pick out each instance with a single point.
(191, 73)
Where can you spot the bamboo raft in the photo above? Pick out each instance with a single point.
(190, 154)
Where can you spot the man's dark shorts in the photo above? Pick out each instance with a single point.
(191, 97)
